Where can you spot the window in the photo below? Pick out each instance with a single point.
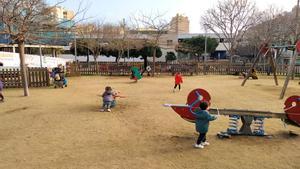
(169, 42)
(65, 14)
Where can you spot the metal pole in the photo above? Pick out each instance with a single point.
(205, 47)
(297, 16)
(297, 27)
(14, 48)
(75, 47)
(294, 58)
(205, 50)
(128, 55)
(41, 55)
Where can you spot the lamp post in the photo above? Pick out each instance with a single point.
(40, 52)
(41, 55)
(297, 16)
(293, 59)
(205, 49)
(75, 47)
(296, 33)
(205, 45)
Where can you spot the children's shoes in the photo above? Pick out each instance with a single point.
(108, 110)
(205, 143)
(200, 146)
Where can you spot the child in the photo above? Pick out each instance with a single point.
(108, 98)
(202, 123)
(252, 74)
(58, 81)
(178, 81)
(1, 88)
(116, 95)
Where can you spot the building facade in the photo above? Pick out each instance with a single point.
(62, 14)
(180, 24)
(55, 38)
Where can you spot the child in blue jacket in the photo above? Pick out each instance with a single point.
(202, 123)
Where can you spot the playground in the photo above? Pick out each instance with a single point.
(63, 128)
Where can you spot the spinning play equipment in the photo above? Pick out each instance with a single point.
(241, 122)
(136, 73)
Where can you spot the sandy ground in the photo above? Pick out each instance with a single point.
(63, 128)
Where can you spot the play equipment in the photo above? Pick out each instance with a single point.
(251, 122)
(267, 51)
(264, 52)
(148, 68)
(290, 70)
(136, 75)
(253, 74)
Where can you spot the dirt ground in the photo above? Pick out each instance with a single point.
(63, 128)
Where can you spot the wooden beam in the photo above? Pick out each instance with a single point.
(253, 66)
(274, 67)
(242, 112)
(289, 74)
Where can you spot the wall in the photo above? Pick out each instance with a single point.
(12, 60)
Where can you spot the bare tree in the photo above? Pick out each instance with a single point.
(155, 26)
(26, 19)
(92, 37)
(274, 26)
(120, 40)
(229, 20)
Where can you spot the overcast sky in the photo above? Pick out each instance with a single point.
(115, 10)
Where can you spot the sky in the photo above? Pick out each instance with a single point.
(115, 10)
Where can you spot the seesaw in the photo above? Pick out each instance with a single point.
(252, 120)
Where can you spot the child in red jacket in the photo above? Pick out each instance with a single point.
(178, 81)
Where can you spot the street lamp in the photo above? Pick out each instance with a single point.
(75, 47)
(205, 45)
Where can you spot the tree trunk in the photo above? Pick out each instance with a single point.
(117, 59)
(21, 46)
(289, 74)
(154, 56)
(96, 63)
(119, 55)
(88, 58)
(231, 53)
(95, 57)
(145, 65)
